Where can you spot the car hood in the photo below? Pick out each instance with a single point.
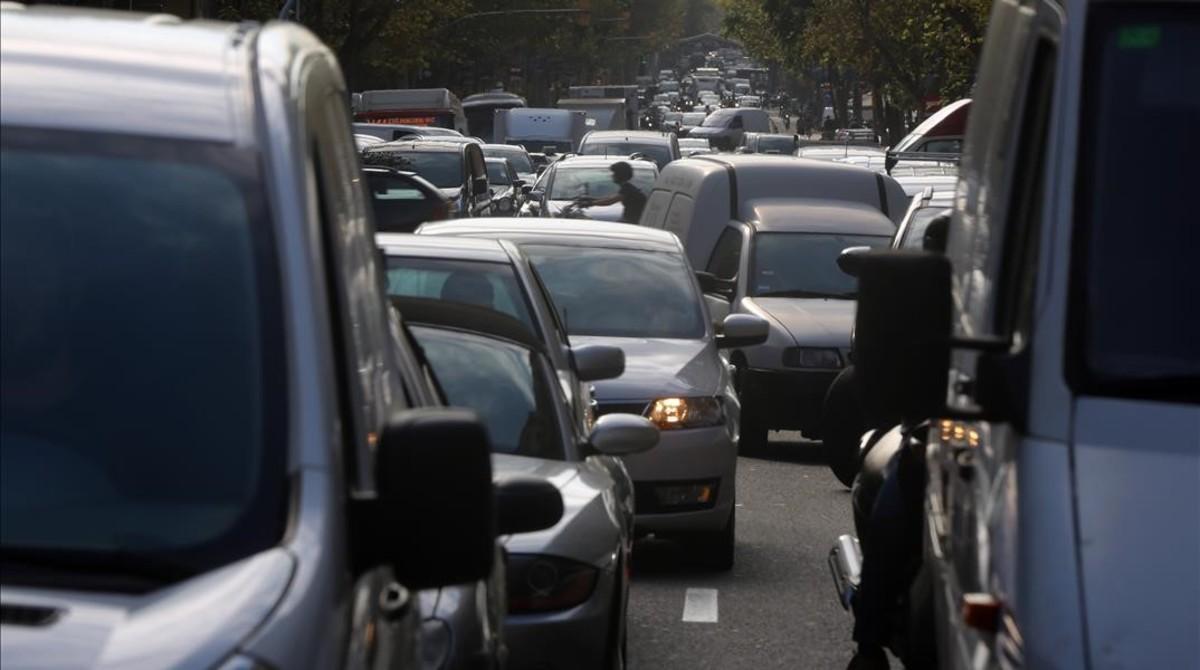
(810, 321)
(587, 531)
(657, 368)
(605, 213)
(707, 131)
(195, 623)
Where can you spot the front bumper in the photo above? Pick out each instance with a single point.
(685, 456)
(566, 640)
(787, 399)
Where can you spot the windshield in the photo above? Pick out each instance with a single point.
(620, 292)
(548, 147)
(479, 283)
(658, 152)
(498, 174)
(499, 381)
(784, 144)
(914, 233)
(1137, 335)
(443, 169)
(595, 182)
(141, 379)
(519, 159)
(719, 118)
(804, 265)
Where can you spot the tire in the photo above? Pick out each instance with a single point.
(843, 427)
(715, 549)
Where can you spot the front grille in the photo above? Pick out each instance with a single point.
(27, 615)
(603, 408)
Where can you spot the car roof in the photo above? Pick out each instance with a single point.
(415, 145)
(811, 215)
(453, 248)
(69, 68)
(560, 232)
(627, 135)
(505, 147)
(603, 161)
(447, 314)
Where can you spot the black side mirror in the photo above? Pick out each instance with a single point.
(848, 261)
(526, 504)
(479, 185)
(710, 283)
(902, 334)
(527, 189)
(594, 362)
(519, 184)
(432, 518)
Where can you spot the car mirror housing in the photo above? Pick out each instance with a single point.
(526, 504)
(432, 518)
(848, 260)
(621, 434)
(480, 185)
(743, 330)
(902, 334)
(594, 362)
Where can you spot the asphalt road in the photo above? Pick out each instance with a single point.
(776, 608)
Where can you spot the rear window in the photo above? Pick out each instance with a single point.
(1137, 308)
(659, 152)
(443, 169)
(479, 283)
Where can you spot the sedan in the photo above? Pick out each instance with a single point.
(575, 178)
(632, 287)
(507, 195)
(568, 585)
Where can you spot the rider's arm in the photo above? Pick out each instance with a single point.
(610, 200)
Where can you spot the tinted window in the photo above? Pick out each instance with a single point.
(914, 233)
(1139, 308)
(140, 374)
(499, 381)
(443, 169)
(480, 283)
(804, 264)
(518, 158)
(498, 174)
(781, 144)
(399, 204)
(727, 254)
(595, 182)
(620, 293)
(658, 152)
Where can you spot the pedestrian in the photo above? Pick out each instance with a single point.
(627, 194)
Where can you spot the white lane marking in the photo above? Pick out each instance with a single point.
(700, 606)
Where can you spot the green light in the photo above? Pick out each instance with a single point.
(1139, 37)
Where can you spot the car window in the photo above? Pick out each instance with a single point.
(519, 159)
(443, 169)
(595, 182)
(658, 152)
(392, 187)
(140, 364)
(727, 254)
(943, 146)
(620, 292)
(480, 283)
(502, 384)
(693, 118)
(782, 144)
(1144, 332)
(914, 233)
(498, 174)
(719, 118)
(804, 264)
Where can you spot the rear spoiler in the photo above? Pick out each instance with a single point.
(894, 157)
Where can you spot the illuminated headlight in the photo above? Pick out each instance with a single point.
(671, 413)
(538, 583)
(812, 357)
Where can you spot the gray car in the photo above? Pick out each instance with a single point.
(567, 587)
(632, 287)
(214, 430)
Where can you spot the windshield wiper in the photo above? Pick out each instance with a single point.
(800, 293)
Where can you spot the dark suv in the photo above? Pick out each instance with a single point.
(457, 169)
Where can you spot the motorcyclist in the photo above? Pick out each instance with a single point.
(627, 194)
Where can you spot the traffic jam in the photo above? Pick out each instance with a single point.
(710, 356)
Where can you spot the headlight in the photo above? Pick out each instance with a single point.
(812, 357)
(538, 583)
(671, 413)
(504, 204)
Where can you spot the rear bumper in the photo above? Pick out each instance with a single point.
(788, 399)
(697, 455)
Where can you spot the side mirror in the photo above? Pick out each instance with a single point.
(519, 184)
(594, 362)
(902, 334)
(432, 518)
(710, 283)
(848, 260)
(743, 330)
(526, 188)
(526, 504)
(480, 185)
(621, 434)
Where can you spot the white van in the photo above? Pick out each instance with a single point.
(698, 198)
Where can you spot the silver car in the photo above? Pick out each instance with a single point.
(568, 585)
(632, 287)
(194, 473)
(576, 177)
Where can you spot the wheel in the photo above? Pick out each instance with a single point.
(715, 548)
(843, 426)
(752, 431)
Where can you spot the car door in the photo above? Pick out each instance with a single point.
(480, 198)
(972, 505)
(382, 616)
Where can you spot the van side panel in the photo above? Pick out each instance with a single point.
(655, 214)
(679, 215)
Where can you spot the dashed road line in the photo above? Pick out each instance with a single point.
(700, 606)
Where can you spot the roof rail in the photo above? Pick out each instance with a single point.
(894, 157)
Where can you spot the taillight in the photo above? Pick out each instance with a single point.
(540, 583)
(441, 211)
